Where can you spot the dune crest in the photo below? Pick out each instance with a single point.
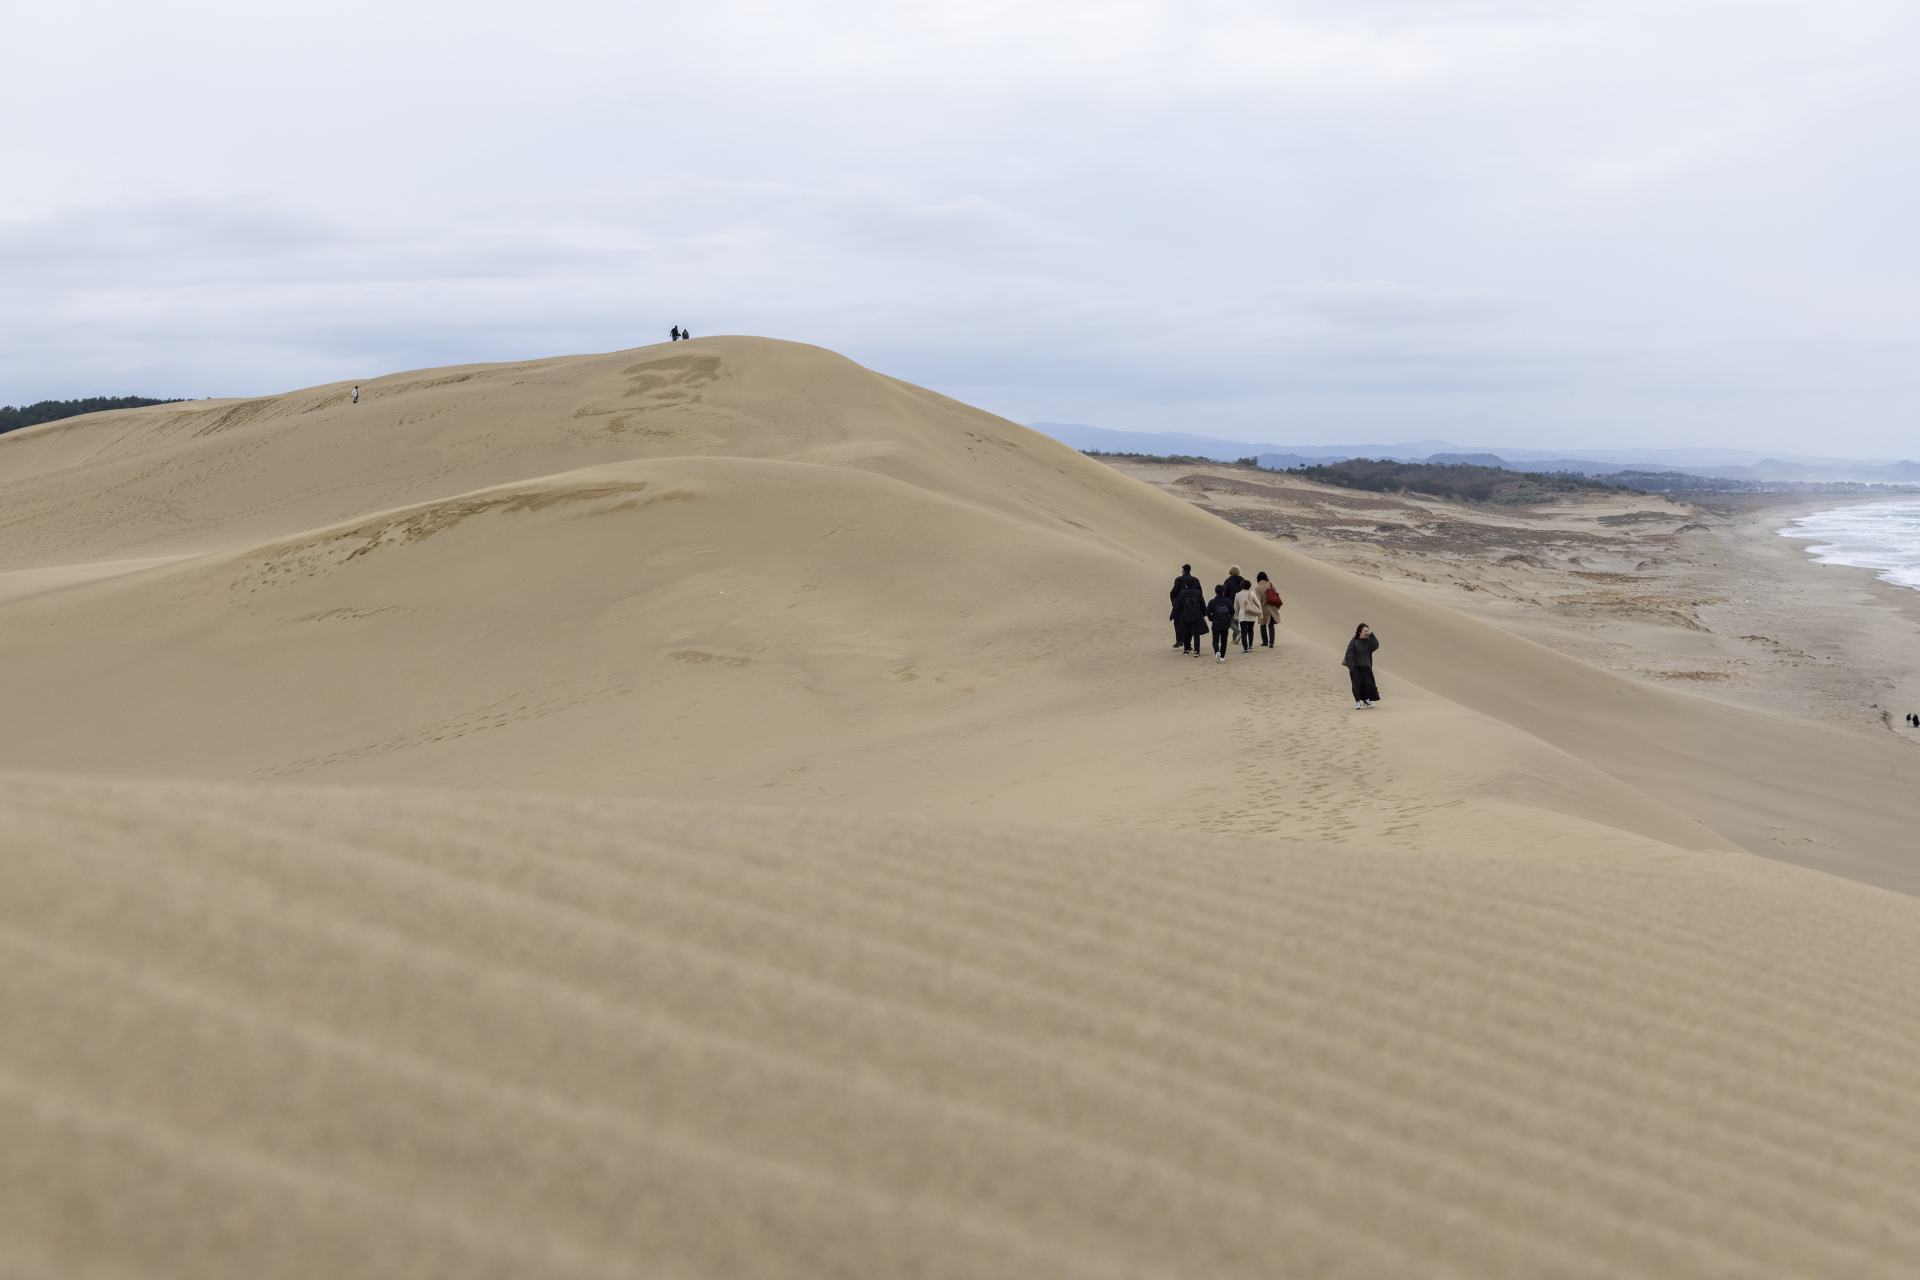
(754, 569)
(752, 823)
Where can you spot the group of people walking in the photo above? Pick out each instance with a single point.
(1237, 607)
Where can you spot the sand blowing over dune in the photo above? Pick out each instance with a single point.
(770, 834)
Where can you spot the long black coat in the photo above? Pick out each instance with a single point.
(1185, 582)
(1190, 611)
(1360, 651)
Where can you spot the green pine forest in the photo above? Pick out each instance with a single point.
(12, 417)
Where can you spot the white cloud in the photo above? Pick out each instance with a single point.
(1502, 221)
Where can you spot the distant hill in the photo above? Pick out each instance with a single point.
(1469, 460)
(13, 418)
(1723, 464)
(1078, 435)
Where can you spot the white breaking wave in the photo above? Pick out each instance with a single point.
(1882, 536)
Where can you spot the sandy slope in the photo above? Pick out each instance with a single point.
(1186, 969)
(745, 568)
(301, 1032)
(1702, 595)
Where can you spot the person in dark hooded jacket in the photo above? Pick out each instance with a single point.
(1190, 619)
(1359, 665)
(1220, 614)
(1182, 584)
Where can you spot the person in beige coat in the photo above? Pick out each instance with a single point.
(1246, 611)
(1269, 609)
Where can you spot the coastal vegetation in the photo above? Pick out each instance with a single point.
(1463, 482)
(14, 417)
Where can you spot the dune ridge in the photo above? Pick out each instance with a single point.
(754, 568)
(714, 810)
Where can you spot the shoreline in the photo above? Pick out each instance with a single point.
(1703, 595)
(1872, 623)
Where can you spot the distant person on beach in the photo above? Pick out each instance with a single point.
(356, 393)
(1269, 608)
(1359, 665)
(684, 335)
(673, 334)
(1246, 612)
(1181, 585)
(1190, 617)
(1220, 614)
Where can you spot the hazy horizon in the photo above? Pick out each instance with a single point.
(1595, 453)
(1529, 224)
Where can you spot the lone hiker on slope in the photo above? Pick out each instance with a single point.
(1359, 665)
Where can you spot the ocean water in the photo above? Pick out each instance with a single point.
(1882, 536)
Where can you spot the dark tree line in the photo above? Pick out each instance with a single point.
(13, 418)
(1461, 481)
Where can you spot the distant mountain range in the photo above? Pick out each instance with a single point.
(1719, 464)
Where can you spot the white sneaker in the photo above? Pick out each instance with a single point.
(1220, 657)
(1361, 706)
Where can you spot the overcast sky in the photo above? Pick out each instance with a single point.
(1616, 223)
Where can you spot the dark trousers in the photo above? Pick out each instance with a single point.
(1246, 635)
(1364, 689)
(1191, 638)
(1221, 630)
(1266, 634)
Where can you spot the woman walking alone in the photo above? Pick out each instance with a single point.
(1269, 608)
(1359, 665)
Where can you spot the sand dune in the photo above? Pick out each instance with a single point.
(770, 834)
(743, 568)
(315, 1032)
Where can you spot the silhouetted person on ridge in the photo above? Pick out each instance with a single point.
(673, 334)
(356, 393)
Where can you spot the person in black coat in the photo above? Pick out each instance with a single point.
(1359, 665)
(1220, 614)
(1190, 619)
(1185, 582)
